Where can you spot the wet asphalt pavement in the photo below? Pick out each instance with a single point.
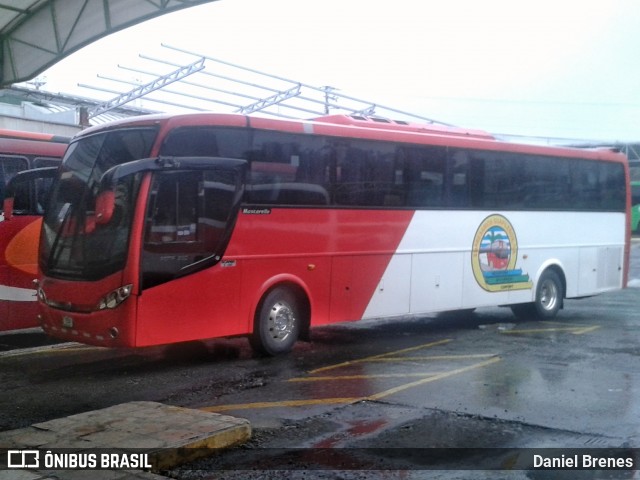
(484, 381)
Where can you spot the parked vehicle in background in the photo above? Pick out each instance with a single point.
(27, 165)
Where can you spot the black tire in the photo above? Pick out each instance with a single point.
(277, 323)
(548, 302)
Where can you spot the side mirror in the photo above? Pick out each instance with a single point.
(105, 205)
(7, 208)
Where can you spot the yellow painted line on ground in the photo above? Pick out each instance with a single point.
(574, 330)
(361, 377)
(581, 327)
(586, 330)
(441, 376)
(433, 357)
(368, 359)
(347, 400)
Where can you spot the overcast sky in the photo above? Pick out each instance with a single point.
(555, 68)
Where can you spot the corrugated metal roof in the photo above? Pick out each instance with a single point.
(35, 34)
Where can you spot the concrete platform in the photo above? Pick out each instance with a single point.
(168, 435)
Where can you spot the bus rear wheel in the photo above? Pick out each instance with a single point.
(549, 297)
(277, 323)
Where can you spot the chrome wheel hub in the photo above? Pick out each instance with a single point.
(281, 321)
(548, 295)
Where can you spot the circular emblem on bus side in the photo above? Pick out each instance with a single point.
(494, 255)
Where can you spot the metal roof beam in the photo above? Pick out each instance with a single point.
(272, 100)
(193, 84)
(176, 92)
(143, 90)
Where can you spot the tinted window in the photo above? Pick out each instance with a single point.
(30, 194)
(365, 174)
(10, 165)
(206, 142)
(612, 184)
(501, 182)
(545, 182)
(308, 170)
(187, 221)
(423, 175)
(498, 180)
(289, 169)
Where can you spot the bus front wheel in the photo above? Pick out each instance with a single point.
(277, 323)
(549, 297)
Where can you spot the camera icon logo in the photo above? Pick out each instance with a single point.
(23, 459)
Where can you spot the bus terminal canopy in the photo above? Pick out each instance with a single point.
(35, 34)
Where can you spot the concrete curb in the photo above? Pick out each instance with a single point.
(169, 435)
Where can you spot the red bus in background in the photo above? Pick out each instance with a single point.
(27, 164)
(167, 229)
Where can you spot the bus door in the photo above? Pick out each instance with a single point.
(191, 208)
(23, 200)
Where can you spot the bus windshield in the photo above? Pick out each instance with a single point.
(73, 245)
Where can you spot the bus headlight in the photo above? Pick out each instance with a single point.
(115, 298)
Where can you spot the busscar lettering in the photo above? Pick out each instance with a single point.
(256, 211)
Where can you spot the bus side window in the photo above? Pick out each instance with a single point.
(545, 183)
(611, 177)
(424, 174)
(585, 191)
(22, 200)
(500, 180)
(191, 142)
(284, 170)
(365, 174)
(459, 185)
(29, 195)
(9, 166)
(349, 176)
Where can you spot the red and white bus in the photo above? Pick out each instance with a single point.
(175, 228)
(26, 163)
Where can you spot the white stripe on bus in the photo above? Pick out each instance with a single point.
(16, 294)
